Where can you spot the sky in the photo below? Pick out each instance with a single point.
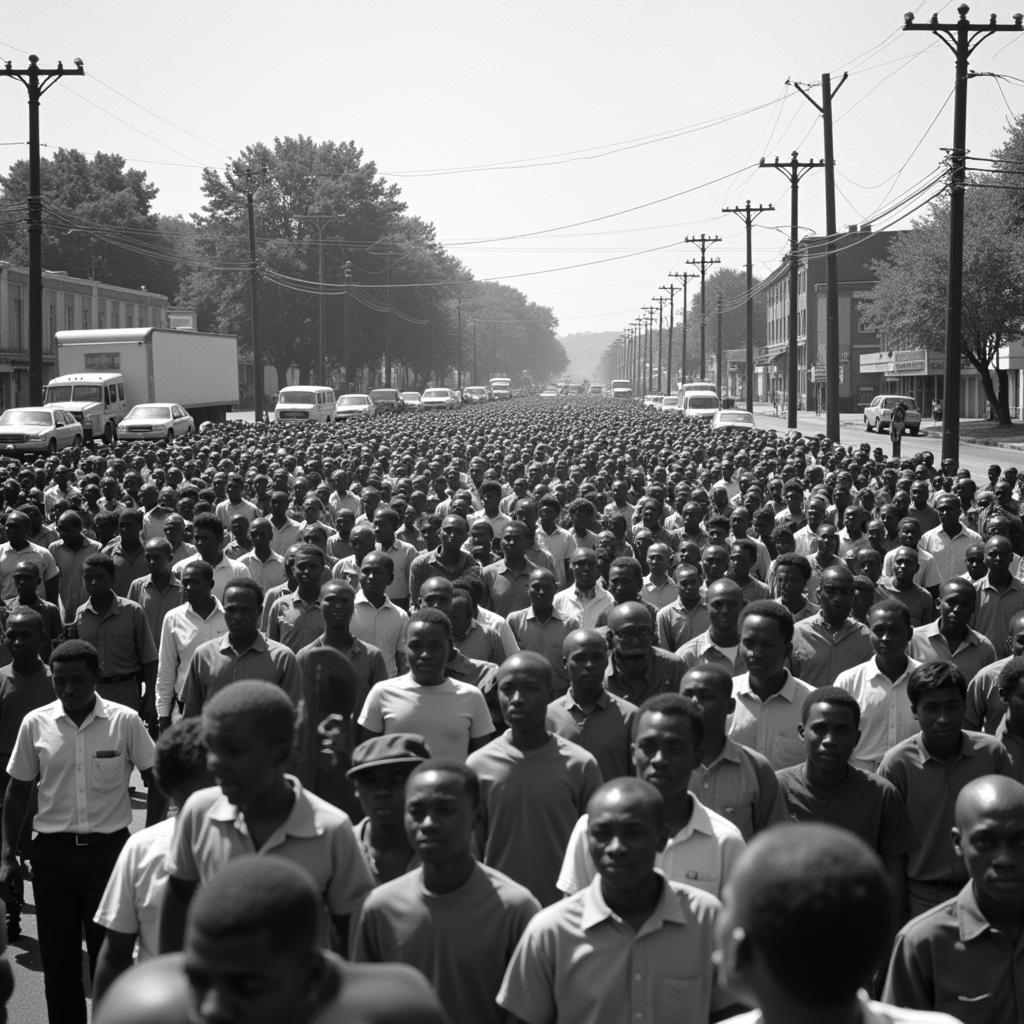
(563, 147)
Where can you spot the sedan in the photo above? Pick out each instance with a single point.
(549, 393)
(439, 398)
(36, 428)
(670, 403)
(412, 399)
(350, 406)
(155, 421)
(475, 394)
(733, 419)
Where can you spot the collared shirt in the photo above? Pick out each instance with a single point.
(128, 566)
(929, 788)
(545, 638)
(294, 622)
(154, 602)
(702, 649)
(660, 972)
(971, 656)
(289, 533)
(481, 643)
(267, 574)
(948, 552)
(996, 607)
(401, 555)
(121, 636)
(384, 627)
(183, 630)
(83, 770)
(985, 708)
(660, 595)
(216, 663)
(428, 564)
(820, 655)
(506, 589)
(500, 626)
(740, 785)
(606, 730)
(225, 511)
(367, 663)
(770, 726)
(953, 960)
(226, 570)
(32, 553)
(702, 853)
(71, 564)
(885, 715)
(560, 546)
(348, 500)
(153, 523)
(181, 552)
(806, 541)
(316, 835)
(572, 601)
(1013, 742)
(663, 672)
(675, 624)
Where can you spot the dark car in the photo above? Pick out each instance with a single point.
(387, 400)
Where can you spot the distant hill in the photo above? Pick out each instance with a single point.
(584, 350)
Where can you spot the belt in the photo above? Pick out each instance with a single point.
(129, 677)
(83, 838)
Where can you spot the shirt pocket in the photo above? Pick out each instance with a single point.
(107, 773)
(786, 751)
(969, 1009)
(681, 999)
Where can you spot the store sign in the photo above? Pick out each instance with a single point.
(910, 362)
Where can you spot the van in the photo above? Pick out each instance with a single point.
(699, 404)
(387, 400)
(305, 402)
(501, 388)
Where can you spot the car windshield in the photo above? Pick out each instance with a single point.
(890, 403)
(736, 417)
(410, 396)
(383, 396)
(435, 393)
(296, 398)
(149, 412)
(26, 418)
(670, 400)
(702, 402)
(353, 400)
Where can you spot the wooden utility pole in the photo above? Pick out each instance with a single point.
(702, 243)
(685, 277)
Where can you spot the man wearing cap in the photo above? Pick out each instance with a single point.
(379, 772)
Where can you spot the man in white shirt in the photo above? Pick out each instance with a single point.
(208, 534)
(585, 599)
(375, 618)
(948, 542)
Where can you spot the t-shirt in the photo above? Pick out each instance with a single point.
(865, 804)
(461, 941)
(530, 803)
(135, 890)
(447, 716)
(18, 696)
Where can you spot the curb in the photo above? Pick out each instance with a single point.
(983, 442)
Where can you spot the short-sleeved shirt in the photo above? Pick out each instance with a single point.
(658, 973)
(740, 785)
(885, 715)
(480, 642)
(71, 563)
(702, 650)
(294, 622)
(31, 553)
(918, 602)
(545, 639)
(428, 564)
(121, 636)
(289, 533)
(662, 674)
(461, 941)
(820, 655)
(447, 715)
(676, 624)
(269, 573)
(971, 656)
(660, 595)
(606, 730)
(401, 555)
(20, 694)
(316, 835)
(506, 589)
(927, 575)
(135, 890)
(572, 601)
(702, 853)
(770, 726)
(542, 792)
(996, 608)
(952, 960)
(985, 708)
(384, 627)
(155, 603)
(863, 803)
(226, 570)
(128, 566)
(83, 770)
(929, 787)
(948, 552)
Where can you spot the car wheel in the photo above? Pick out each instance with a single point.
(867, 425)
(914, 431)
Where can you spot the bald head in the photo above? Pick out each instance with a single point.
(634, 795)
(724, 588)
(527, 663)
(991, 794)
(629, 614)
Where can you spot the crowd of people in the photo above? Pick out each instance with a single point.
(515, 713)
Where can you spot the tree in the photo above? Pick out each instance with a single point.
(908, 304)
(97, 221)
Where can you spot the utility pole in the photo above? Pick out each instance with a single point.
(962, 38)
(671, 289)
(460, 343)
(638, 355)
(36, 80)
(747, 214)
(685, 277)
(251, 185)
(702, 243)
(831, 264)
(718, 343)
(660, 300)
(474, 351)
(649, 332)
(346, 337)
(794, 170)
(321, 338)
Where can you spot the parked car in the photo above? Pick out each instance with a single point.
(549, 393)
(700, 403)
(733, 419)
(653, 400)
(412, 399)
(878, 415)
(387, 400)
(475, 395)
(596, 391)
(439, 398)
(350, 406)
(36, 428)
(155, 420)
(670, 403)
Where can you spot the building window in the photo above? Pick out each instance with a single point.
(101, 319)
(131, 321)
(17, 341)
(115, 314)
(69, 315)
(85, 316)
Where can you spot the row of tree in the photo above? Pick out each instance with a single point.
(332, 235)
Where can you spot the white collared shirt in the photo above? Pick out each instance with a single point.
(770, 727)
(384, 627)
(182, 631)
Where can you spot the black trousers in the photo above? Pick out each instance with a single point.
(68, 883)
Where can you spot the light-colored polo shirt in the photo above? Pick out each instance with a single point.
(606, 730)
(285, 536)
(505, 589)
(702, 853)
(973, 654)
(927, 575)
(885, 715)
(659, 973)
(702, 650)
(226, 570)
(84, 770)
(948, 552)
(985, 708)
(560, 546)
(500, 626)
(820, 655)
(384, 627)
(770, 727)
(447, 715)
(31, 553)
(401, 554)
(572, 601)
(316, 836)
(267, 574)
(660, 595)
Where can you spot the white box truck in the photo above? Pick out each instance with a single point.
(101, 374)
